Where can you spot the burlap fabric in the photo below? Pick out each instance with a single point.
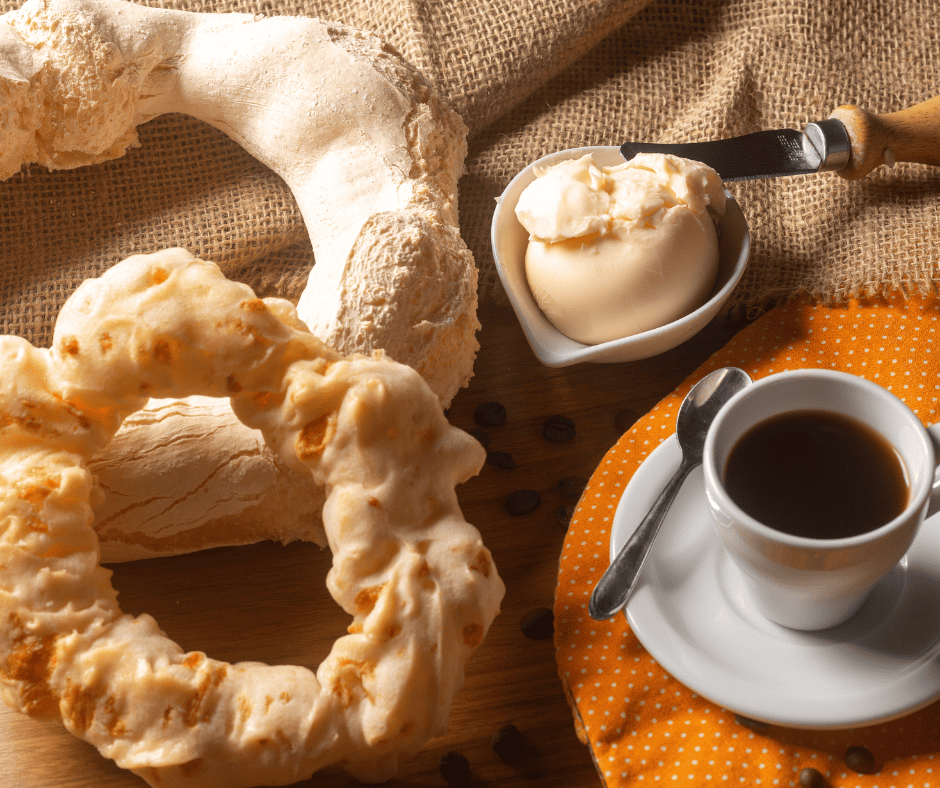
(531, 77)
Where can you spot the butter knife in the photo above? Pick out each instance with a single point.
(852, 142)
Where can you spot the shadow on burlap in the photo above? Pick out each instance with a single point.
(531, 77)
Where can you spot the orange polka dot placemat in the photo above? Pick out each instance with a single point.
(643, 726)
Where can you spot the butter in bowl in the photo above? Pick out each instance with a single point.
(609, 263)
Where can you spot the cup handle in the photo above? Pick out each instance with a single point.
(934, 432)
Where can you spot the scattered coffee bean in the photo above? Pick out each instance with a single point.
(861, 760)
(558, 429)
(490, 414)
(563, 515)
(509, 744)
(455, 768)
(755, 725)
(538, 624)
(522, 502)
(481, 436)
(811, 778)
(501, 459)
(625, 419)
(572, 486)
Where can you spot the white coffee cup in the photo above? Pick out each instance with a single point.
(814, 583)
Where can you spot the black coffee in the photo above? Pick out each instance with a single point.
(817, 474)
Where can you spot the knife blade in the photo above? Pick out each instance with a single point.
(763, 154)
(852, 142)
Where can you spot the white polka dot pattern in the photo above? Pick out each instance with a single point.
(643, 726)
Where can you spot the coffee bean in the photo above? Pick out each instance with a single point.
(625, 419)
(522, 502)
(481, 436)
(501, 459)
(755, 725)
(509, 744)
(490, 414)
(558, 429)
(861, 760)
(572, 486)
(811, 778)
(538, 624)
(455, 768)
(563, 515)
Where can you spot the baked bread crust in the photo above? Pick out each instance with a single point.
(415, 576)
(372, 157)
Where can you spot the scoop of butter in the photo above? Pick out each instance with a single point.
(614, 251)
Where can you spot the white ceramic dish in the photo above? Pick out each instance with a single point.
(690, 612)
(554, 349)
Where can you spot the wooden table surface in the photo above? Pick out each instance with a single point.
(268, 602)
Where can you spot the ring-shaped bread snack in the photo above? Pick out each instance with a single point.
(415, 576)
(372, 157)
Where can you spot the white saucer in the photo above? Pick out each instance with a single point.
(690, 612)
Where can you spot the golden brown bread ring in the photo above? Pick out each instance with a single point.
(416, 578)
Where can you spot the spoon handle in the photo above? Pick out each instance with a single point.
(615, 586)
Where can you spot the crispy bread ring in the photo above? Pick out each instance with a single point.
(415, 576)
(371, 155)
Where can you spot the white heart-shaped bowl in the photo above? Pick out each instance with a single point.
(509, 239)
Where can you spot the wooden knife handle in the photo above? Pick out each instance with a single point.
(911, 134)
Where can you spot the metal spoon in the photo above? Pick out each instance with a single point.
(696, 413)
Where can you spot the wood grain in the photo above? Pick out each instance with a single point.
(268, 602)
(911, 134)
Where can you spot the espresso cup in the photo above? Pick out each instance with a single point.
(817, 482)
